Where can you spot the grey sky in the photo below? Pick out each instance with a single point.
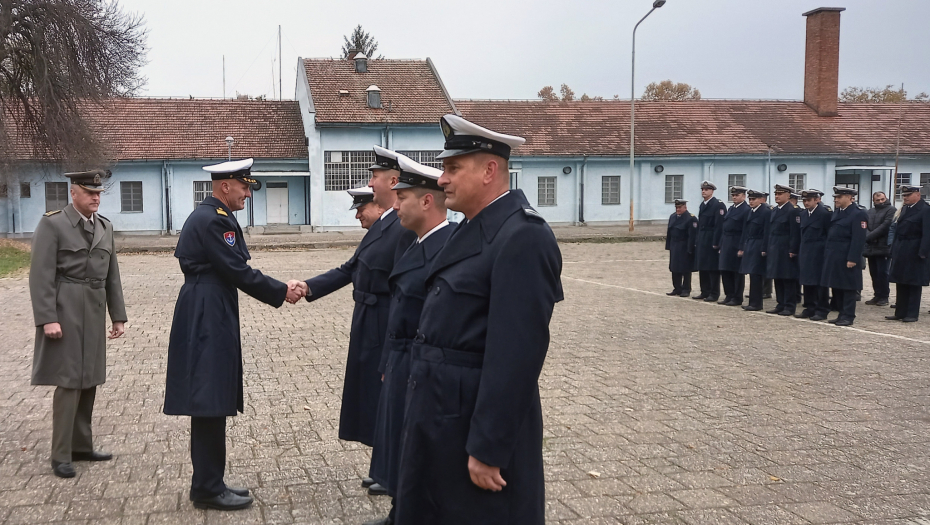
(509, 49)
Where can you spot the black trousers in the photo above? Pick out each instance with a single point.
(817, 299)
(755, 290)
(907, 302)
(768, 287)
(710, 283)
(734, 283)
(878, 270)
(786, 294)
(846, 301)
(681, 282)
(208, 455)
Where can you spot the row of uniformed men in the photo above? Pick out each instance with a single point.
(814, 247)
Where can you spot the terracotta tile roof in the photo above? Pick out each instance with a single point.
(704, 127)
(410, 88)
(148, 128)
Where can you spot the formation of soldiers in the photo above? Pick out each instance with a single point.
(808, 252)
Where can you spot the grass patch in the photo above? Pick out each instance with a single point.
(13, 257)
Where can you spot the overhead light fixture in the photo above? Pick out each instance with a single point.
(566, 170)
(659, 168)
(782, 167)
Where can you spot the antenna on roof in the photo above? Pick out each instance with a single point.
(224, 76)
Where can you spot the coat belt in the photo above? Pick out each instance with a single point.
(86, 281)
(447, 356)
(370, 299)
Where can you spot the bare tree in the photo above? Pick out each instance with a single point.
(668, 90)
(548, 94)
(878, 95)
(567, 94)
(360, 41)
(57, 57)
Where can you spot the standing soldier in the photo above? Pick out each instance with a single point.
(204, 379)
(421, 208)
(877, 249)
(781, 253)
(752, 247)
(707, 249)
(73, 281)
(842, 256)
(680, 242)
(815, 222)
(910, 265)
(472, 450)
(733, 223)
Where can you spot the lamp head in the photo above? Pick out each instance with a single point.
(229, 141)
(658, 3)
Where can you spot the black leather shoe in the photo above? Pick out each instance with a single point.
(699, 297)
(685, 294)
(872, 301)
(843, 322)
(893, 318)
(91, 456)
(786, 312)
(767, 296)
(818, 317)
(775, 311)
(910, 319)
(225, 501)
(238, 491)
(881, 302)
(377, 490)
(732, 303)
(711, 298)
(673, 292)
(834, 321)
(892, 305)
(752, 308)
(382, 521)
(63, 470)
(805, 314)
(367, 482)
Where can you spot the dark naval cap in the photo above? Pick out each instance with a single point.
(811, 193)
(361, 196)
(708, 185)
(907, 189)
(233, 169)
(754, 194)
(385, 159)
(842, 190)
(737, 189)
(464, 137)
(89, 180)
(415, 175)
(781, 188)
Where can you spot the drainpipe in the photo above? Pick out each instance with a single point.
(768, 170)
(166, 184)
(583, 177)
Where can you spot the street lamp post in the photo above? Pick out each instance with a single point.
(655, 5)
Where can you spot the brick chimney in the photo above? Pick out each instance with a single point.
(822, 60)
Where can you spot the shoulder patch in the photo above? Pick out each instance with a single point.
(722, 211)
(221, 211)
(798, 218)
(865, 225)
(50, 213)
(230, 238)
(530, 212)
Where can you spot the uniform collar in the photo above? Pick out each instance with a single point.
(492, 217)
(438, 227)
(738, 205)
(386, 213)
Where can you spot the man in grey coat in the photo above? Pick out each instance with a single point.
(73, 281)
(877, 250)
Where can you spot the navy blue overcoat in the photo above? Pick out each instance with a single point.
(731, 232)
(910, 249)
(845, 242)
(784, 238)
(680, 241)
(814, 227)
(754, 240)
(710, 228)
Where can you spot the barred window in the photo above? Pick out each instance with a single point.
(56, 195)
(514, 179)
(130, 193)
(924, 185)
(25, 190)
(735, 179)
(546, 196)
(901, 178)
(673, 187)
(610, 189)
(202, 190)
(343, 170)
(426, 158)
(797, 181)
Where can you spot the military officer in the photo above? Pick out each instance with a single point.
(204, 379)
(707, 249)
(729, 241)
(815, 222)
(73, 281)
(753, 245)
(784, 239)
(368, 270)
(472, 450)
(680, 242)
(910, 265)
(421, 208)
(842, 255)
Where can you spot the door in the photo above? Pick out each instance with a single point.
(277, 202)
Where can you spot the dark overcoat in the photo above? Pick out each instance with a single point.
(710, 228)
(368, 271)
(814, 227)
(784, 238)
(73, 282)
(680, 241)
(754, 240)
(845, 242)
(473, 389)
(731, 232)
(910, 249)
(204, 349)
(408, 291)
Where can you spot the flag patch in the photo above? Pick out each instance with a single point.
(865, 225)
(230, 238)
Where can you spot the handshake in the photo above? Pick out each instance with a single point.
(296, 290)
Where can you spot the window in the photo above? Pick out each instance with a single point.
(343, 170)
(374, 98)
(514, 179)
(426, 158)
(130, 193)
(3, 191)
(202, 190)
(25, 190)
(56, 195)
(797, 181)
(546, 195)
(735, 179)
(673, 186)
(610, 189)
(901, 178)
(924, 185)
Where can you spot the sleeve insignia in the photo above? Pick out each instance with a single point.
(865, 225)
(221, 211)
(722, 211)
(530, 212)
(49, 214)
(230, 238)
(798, 218)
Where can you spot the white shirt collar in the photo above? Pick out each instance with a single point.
(738, 205)
(780, 206)
(438, 227)
(385, 214)
(88, 219)
(708, 199)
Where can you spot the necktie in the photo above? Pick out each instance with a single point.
(88, 231)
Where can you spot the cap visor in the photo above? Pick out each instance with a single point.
(94, 189)
(402, 186)
(456, 152)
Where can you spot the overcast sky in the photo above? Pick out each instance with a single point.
(508, 49)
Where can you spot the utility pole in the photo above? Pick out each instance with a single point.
(224, 76)
(279, 63)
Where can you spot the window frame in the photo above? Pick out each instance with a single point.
(731, 183)
(350, 172)
(130, 184)
(424, 157)
(680, 180)
(205, 190)
(899, 179)
(606, 195)
(61, 186)
(542, 186)
(798, 187)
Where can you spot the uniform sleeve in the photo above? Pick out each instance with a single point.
(115, 303)
(857, 239)
(925, 235)
(668, 234)
(766, 229)
(42, 286)
(327, 283)
(692, 235)
(718, 225)
(744, 235)
(794, 231)
(227, 262)
(525, 285)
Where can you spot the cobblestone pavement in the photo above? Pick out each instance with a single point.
(657, 409)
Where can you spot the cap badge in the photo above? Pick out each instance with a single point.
(230, 238)
(446, 128)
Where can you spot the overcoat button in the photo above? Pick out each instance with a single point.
(436, 291)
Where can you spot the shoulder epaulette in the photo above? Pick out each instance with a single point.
(530, 212)
(691, 214)
(221, 211)
(828, 208)
(50, 213)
